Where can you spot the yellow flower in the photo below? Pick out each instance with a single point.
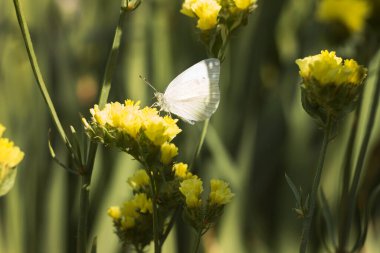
(160, 130)
(180, 170)
(10, 157)
(207, 11)
(220, 193)
(109, 124)
(139, 179)
(191, 189)
(114, 212)
(327, 68)
(350, 13)
(186, 8)
(129, 215)
(244, 4)
(168, 152)
(331, 86)
(142, 203)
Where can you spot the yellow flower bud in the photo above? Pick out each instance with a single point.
(114, 212)
(139, 179)
(220, 193)
(180, 170)
(168, 152)
(207, 11)
(191, 189)
(244, 4)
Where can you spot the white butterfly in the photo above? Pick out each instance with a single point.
(194, 94)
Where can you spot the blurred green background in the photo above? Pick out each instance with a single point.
(259, 132)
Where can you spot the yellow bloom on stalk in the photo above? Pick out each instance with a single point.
(180, 170)
(142, 203)
(186, 8)
(206, 11)
(350, 13)
(131, 210)
(139, 179)
(129, 119)
(220, 193)
(244, 4)
(327, 68)
(10, 157)
(168, 152)
(114, 212)
(331, 86)
(191, 189)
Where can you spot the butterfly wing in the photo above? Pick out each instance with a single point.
(194, 94)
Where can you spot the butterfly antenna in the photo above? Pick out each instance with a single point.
(148, 83)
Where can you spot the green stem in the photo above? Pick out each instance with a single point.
(36, 70)
(358, 169)
(156, 236)
(200, 143)
(313, 196)
(87, 174)
(84, 203)
(198, 241)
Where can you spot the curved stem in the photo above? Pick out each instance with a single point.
(313, 196)
(36, 70)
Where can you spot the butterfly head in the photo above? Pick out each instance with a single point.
(161, 102)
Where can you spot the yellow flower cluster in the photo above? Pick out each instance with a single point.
(331, 86)
(139, 180)
(220, 193)
(142, 133)
(207, 11)
(181, 171)
(10, 157)
(350, 13)
(326, 68)
(131, 210)
(192, 189)
(130, 119)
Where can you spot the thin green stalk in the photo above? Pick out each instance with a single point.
(36, 70)
(200, 143)
(156, 235)
(313, 196)
(84, 204)
(87, 174)
(359, 168)
(198, 241)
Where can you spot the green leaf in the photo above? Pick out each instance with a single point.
(296, 193)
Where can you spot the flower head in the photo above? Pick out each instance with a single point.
(244, 4)
(168, 152)
(350, 13)
(181, 171)
(191, 189)
(220, 193)
(207, 12)
(128, 127)
(139, 180)
(330, 86)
